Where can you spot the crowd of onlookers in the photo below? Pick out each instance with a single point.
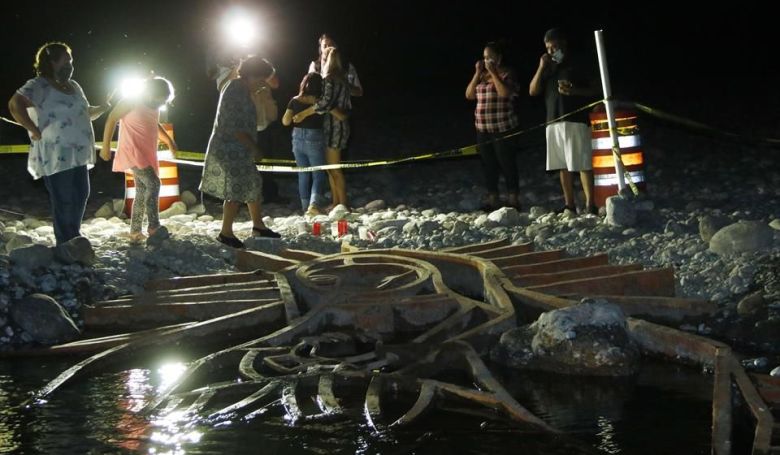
(55, 112)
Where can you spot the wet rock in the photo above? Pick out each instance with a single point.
(17, 241)
(338, 212)
(32, 257)
(105, 211)
(505, 216)
(189, 198)
(742, 237)
(620, 211)
(710, 224)
(373, 206)
(177, 208)
(586, 339)
(118, 205)
(44, 319)
(753, 306)
(76, 250)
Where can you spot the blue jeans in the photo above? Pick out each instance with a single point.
(68, 193)
(308, 146)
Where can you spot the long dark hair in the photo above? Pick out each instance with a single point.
(47, 55)
(311, 85)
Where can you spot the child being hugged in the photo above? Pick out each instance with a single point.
(139, 132)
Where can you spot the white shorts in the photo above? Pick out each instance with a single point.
(568, 147)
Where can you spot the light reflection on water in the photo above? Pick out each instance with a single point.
(102, 415)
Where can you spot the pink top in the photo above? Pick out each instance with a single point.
(138, 140)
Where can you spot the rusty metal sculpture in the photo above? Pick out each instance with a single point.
(309, 332)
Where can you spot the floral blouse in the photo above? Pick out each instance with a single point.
(67, 138)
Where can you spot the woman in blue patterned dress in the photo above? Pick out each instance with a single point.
(229, 171)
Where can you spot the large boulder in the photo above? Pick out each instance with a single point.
(710, 224)
(44, 319)
(742, 237)
(32, 257)
(76, 250)
(586, 339)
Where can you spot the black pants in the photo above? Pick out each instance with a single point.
(498, 158)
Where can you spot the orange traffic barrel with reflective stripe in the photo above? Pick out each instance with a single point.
(605, 180)
(169, 179)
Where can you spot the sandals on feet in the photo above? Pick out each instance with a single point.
(265, 232)
(230, 241)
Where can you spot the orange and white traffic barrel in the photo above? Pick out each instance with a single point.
(605, 179)
(169, 179)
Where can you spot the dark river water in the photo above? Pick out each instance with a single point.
(665, 409)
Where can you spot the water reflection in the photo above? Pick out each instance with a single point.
(102, 414)
(606, 435)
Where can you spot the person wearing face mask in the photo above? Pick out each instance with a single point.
(494, 88)
(58, 117)
(229, 171)
(567, 83)
(139, 132)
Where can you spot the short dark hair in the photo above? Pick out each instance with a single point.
(47, 55)
(160, 88)
(255, 66)
(555, 34)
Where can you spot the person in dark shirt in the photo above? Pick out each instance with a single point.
(567, 84)
(308, 142)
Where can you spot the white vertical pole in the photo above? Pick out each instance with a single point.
(607, 88)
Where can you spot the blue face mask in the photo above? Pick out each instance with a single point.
(557, 56)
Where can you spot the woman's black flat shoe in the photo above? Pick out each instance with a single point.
(265, 232)
(230, 241)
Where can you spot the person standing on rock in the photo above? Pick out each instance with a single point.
(229, 170)
(54, 110)
(494, 87)
(567, 85)
(139, 131)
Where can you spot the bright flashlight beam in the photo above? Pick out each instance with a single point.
(241, 30)
(131, 87)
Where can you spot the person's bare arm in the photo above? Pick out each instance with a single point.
(18, 105)
(471, 88)
(535, 87)
(117, 113)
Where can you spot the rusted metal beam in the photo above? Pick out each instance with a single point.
(762, 438)
(672, 309)
(658, 340)
(589, 272)
(135, 317)
(721, 404)
(656, 282)
(89, 345)
(557, 265)
(206, 280)
(504, 251)
(247, 260)
(474, 248)
(528, 258)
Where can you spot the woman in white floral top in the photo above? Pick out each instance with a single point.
(56, 113)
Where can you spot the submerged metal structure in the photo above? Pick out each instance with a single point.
(390, 335)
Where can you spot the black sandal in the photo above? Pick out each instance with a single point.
(230, 241)
(265, 232)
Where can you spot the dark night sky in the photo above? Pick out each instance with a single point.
(413, 57)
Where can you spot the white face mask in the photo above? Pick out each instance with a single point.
(557, 56)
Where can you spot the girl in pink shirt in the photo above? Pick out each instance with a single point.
(139, 132)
